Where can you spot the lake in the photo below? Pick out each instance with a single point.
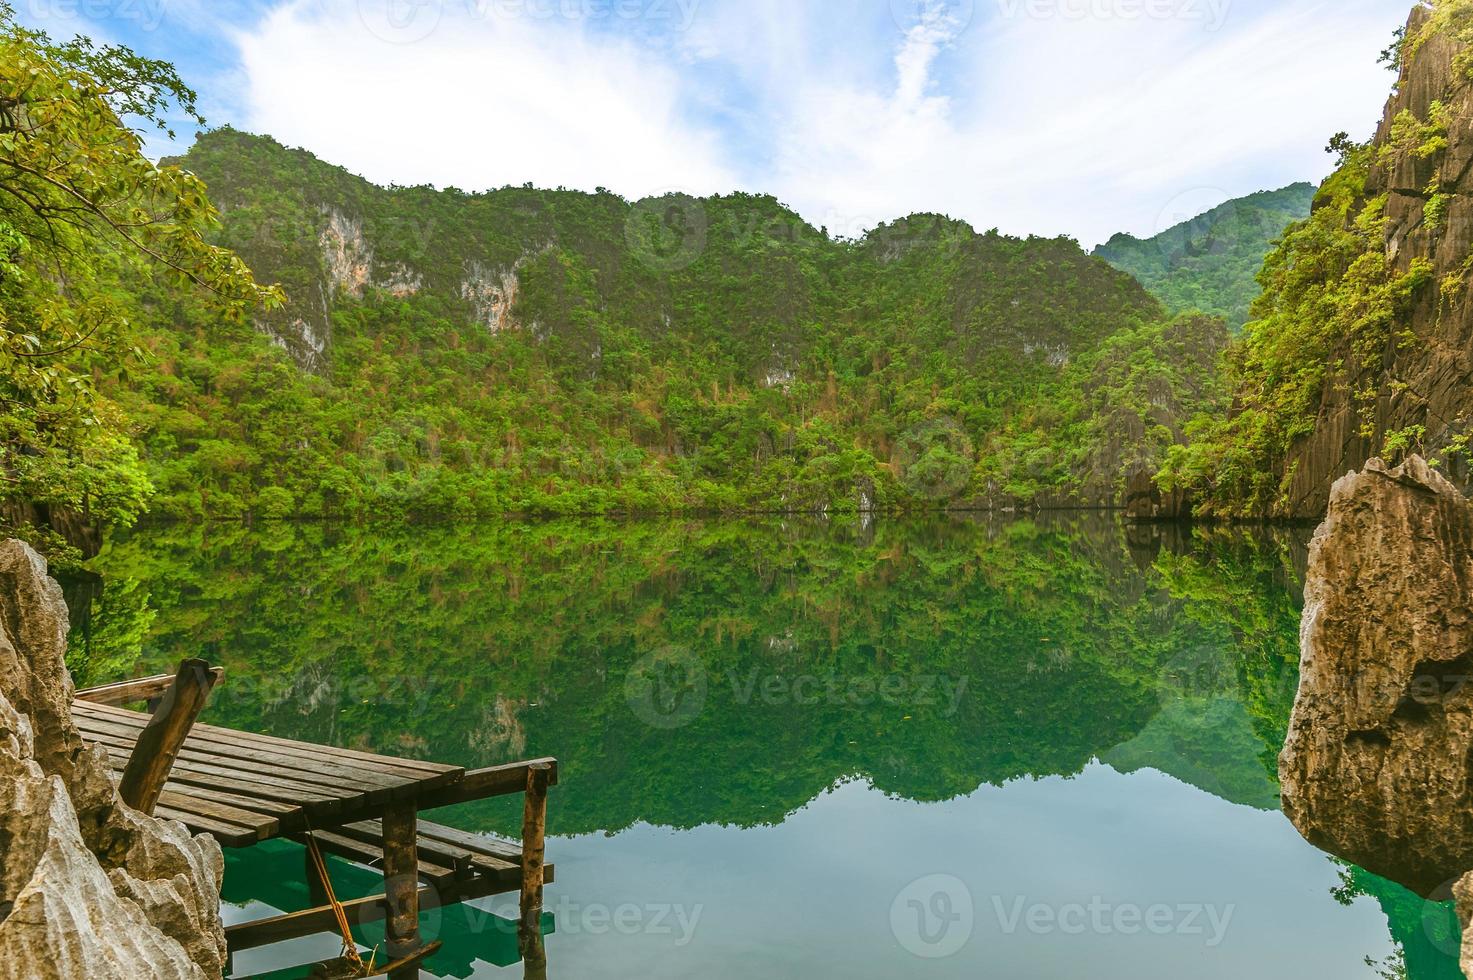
(951, 747)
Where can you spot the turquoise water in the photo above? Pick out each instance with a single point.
(940, 748)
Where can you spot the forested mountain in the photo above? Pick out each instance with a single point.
(527, 350)
(1211, 262)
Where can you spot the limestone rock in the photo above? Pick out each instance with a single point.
(89, 887)
(1376, 767)
(1431, 371)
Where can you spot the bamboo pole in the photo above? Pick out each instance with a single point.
(534, 831)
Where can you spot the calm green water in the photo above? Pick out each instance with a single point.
(945, 748)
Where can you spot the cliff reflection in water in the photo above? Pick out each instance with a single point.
(728, 673)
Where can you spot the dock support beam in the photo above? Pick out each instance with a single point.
(159, 743)
(534, 830)
(401, 886)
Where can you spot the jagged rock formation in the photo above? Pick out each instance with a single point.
(1429, 380)
(89, 888)
(1376, 767)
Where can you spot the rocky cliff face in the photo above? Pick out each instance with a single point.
(1426, 378)
(89, 888)
(1378, 765)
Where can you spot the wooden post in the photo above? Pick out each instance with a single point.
(159, 743)
(534, 831)
(401, 885)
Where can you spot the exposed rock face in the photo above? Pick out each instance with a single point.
(1434, 372)
(89, 888)
(492, 295)
(1378, 765)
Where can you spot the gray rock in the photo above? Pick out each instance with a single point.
(1376, 767)
(89, 887)
(1422, 381)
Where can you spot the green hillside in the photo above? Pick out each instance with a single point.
(1211, 262)
(524, 350)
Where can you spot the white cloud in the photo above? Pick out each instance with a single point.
(1041, 116)
(1087, 126)
(480, 97)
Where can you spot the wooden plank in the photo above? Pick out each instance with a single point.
(501, 859)
(483, 784)
(489, 854)
(233, 777)
(326, 783)
(370, 833)
(213, 777)
(228, 834)
(298, 767)
(159, 743)
(312, 750)
(141, 689)
(534, 830)
(120, 715)
(287, 813)
(309, 922)
(371, 854)
(264, 825)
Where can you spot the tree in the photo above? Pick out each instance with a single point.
(81, 207)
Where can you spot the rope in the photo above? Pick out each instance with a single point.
(350, 948)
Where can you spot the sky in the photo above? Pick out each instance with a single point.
(1047, 117)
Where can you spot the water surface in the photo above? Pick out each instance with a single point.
(939, 748)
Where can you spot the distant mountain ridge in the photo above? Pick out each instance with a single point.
(1211, 262)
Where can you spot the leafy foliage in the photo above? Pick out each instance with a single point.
(81, 210)
(1330, 303)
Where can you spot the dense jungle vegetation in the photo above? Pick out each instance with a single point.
(440, 353)
(555, 352)
(1210, 263)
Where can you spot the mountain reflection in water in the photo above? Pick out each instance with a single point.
(768, 731)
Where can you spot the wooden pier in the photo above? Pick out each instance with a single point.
(243, 788)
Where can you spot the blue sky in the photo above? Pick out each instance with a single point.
(1078, 117)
